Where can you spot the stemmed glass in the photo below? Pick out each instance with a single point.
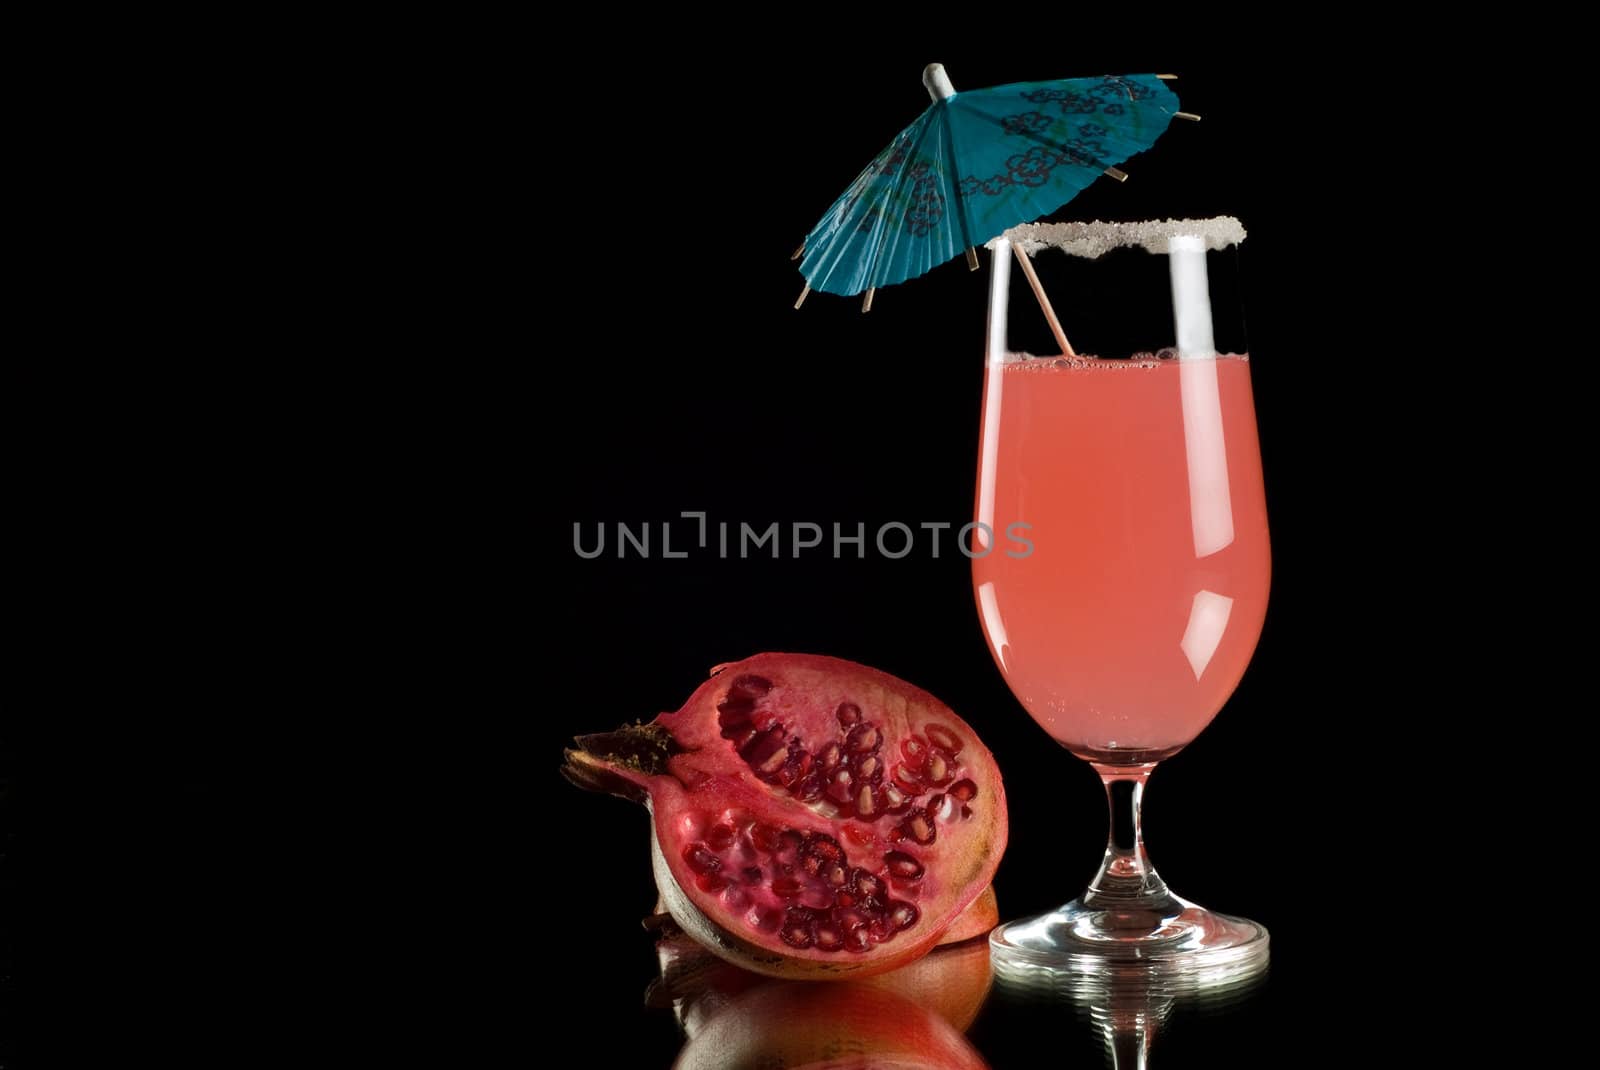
(1121, 566)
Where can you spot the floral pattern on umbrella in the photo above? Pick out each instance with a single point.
(974, 164)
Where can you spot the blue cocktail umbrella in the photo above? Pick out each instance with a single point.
(975, 164)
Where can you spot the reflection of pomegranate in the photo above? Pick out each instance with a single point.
(813, 817)
(907, 1019)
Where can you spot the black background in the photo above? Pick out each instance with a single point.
(587, 320)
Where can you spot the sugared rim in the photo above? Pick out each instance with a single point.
(1096, 239)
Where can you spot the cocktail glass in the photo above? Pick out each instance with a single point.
(1122, 558)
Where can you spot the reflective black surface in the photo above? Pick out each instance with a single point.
(708, 1014)
(915, 1016)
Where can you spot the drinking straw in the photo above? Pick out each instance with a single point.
(1044, 302)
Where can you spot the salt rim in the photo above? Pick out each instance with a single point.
(1095, 239)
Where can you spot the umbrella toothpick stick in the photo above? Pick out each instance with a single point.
(802, 298)
(1044, 302)
(800, 250)
(866, 302)
(972, 259)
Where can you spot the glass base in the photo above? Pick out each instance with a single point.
(1170, 940)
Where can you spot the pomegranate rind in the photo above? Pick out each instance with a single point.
(980, 916)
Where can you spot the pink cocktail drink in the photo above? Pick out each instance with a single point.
(1132, 619)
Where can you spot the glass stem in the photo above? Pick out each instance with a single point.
(1128, 1037)
(1126, 879)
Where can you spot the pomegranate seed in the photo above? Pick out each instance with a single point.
(848, 713)
(865, 805)
(836, 876)
(869, 768)
(735, 898)
(785, 887)
(751, 874)
(862, 738)
(865, 884)
(895, 834)
(902, 866)
(764, 837)
(741, 735)
(810, 788)
(846, 919)
(935, 805)
(822, 846)
(942, 737)
(796, 935)
(701, 860)
(789, 840)
(770, 766)
(895, 800)
(767, 919)
(720, 837)
(907, 779)
(844, 898)
(903, 915)
(965, 790)
(829, 757)
(764, 746)
(839, 788)
(796, 764)
(829, 938)
(861, 837)
(712, 882)
(858, 940)
(938, 770)
(919, 828)
(750, 686)
(915, 748)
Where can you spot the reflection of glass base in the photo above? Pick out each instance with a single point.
(1171, 941)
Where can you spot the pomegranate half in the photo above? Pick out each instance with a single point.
(813, 818)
